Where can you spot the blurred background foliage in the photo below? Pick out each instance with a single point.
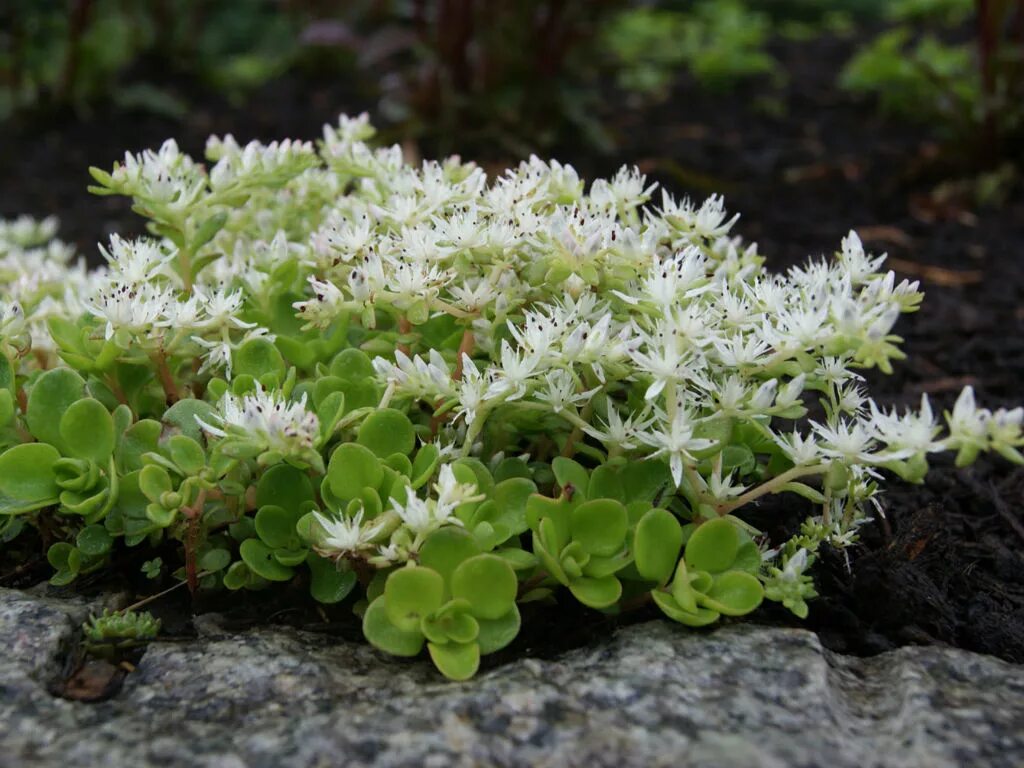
(522, 74)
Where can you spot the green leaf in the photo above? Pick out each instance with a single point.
(748, 558)
(713, 545)
(276, 527)
(66, 560)
(699, 618)
(645, 480)
(140, 438)
(385, 636)
(183, 416)
(94, 540)
(53, 393)
(154, 481)
(510, 468)
(328, 585)
(488, 583)
(605, 483)
(353, 467)
(260, 559)
(571, 474)
(27, 477)
(456, 661)
(539, 508)
(387, 431)
(482, 475)
(596, 593)
(733, 593)
(400, 463)
(452, 623)
(600, 526)
(412, 593)
(187, 454)
(7, 406)
(656, 545)
(208, 230)
(258, 357)
(424, 465)
(446, 548)
(284, 486)
(687, 585)
(353, 365)
(497, 633)
(216, 559)
(510, 497)
(237, 576)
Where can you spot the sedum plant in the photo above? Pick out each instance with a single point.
(444, 395)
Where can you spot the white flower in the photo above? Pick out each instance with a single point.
(346, 535)
(801, 450)
(675, 439)
(133, 308)
(423, 516)
(268, 420)
(908, 435)
(451, 493)
(518, 367)
(559, 391)
(618, 432)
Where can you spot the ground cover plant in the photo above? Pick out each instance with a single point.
(440, 397)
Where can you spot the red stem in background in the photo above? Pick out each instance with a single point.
(987, 45)
(77, 24)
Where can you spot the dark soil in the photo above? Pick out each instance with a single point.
(803, 165)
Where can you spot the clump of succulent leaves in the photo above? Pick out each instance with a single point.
(444, 394)
(111, 634)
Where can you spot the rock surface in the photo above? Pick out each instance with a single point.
(650, 695)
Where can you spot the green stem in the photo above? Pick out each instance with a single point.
(771, 486)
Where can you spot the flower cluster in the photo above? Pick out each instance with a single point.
(458, 393)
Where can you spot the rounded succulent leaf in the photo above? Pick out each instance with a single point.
(352, 364)
(187, 454)
(733, 593)
(183, 416)
(284, 486)
(51, 395)
(713, 546)
(94, 540)
(154, 481)
(656, 545)
(412, 593)
(258, 357)
(260, 559)
(488, 583)
(497, 633)
(276, 527)
(327, 584)
(701, 617)
(387, 431)
(446, 548)
(600, 526)
(385, 636)
(87, 430)
(214, 559)
(510, 498)
(596, 593)
(353, 467)
(424, 465)
(456, 661)
(452, 623)
(27, 476)
(570, 473)
(605, 483)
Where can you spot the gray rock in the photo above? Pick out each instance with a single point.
(650, 695)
